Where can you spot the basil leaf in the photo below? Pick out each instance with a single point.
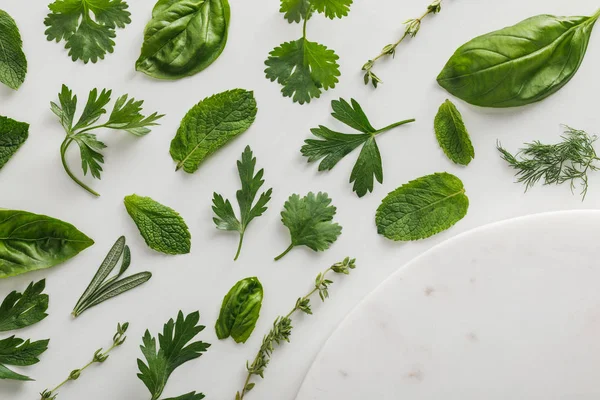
(29, 242)
(520, 64)
(422, 208)
(12, 136)
(210, 125)
(452, 134)
(183, 37)
(13, 63)
(162, 228)
(240, 310)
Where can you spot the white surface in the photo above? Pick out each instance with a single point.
(35, 181)
(511, 310)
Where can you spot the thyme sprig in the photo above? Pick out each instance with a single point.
(412, 27)
(282, 327)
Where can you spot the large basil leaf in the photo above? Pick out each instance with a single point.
(183, 37)
(520, 64)
(240, 310)
(29, 242)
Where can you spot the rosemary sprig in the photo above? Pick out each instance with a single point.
(412, 27)
(282, 327)
(567, 161)
(99, 357)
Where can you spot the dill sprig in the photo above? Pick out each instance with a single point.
(554, 164)
(282, 327)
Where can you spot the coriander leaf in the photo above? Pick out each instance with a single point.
(94, 108)
(225, 216)
(303, 68)
(173, 351)
(333, 146)
(126, 115)
(422, 208)
(332, 8)
(240, 310)
(12, 136)
(295, 10)
(13, 63)
(309, 220)
(87, 38)
(162, 228)
(210, 125)
(452, 134)
(19, 310)
(19, 352)
(89, 148)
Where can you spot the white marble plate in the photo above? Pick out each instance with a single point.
(508, 311)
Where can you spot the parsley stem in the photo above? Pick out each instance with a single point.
(63, 152)
(279, 257)
(239, 249)
(306, 21)
(392, 126)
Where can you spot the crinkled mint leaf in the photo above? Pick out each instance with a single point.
(452, 134)
(13, 63)
(12, 136)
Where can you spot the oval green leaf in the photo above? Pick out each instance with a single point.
(452, 134)
(13, 63)
(520, 64)
(12, 136)
(183, 37)
(240, 310)
(422, 208)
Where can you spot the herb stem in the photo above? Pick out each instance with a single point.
(279, 257)
(63, 152)
(306, 22)
(239, 249)
(394, 125)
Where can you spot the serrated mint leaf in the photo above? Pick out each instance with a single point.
(12, 136)
(13, 63)
(295, 10)
(332, 8)
(19, 310)
(422, 208)
(210, 125)
(240, 310)
(452, 134)
(162, 228)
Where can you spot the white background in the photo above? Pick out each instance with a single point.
(35, 181)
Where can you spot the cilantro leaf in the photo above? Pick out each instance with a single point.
(13, 63)
(452, 134)
(173, 351)
(295, 10)
(12, 136)
(309, 220)
(19, 310)
(303, 68)
(225, 216)
(20, 353)
(332, 146)
(87, 26)
(332, 8)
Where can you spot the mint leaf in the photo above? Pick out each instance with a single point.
(303, 68)
(13, 63)
(309, 220)
(295, 10)
(87, 26)
(210, 125)
(332, 8)
(452, 134)
(251, 183)
(19, 310)
(12, 136)
(173, 351)
(162, 228)
(20, 353)
(240, 310)
(422, 208)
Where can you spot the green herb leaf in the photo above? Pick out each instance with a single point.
(13, 63)
(183, 37)
(295, 10)
(29, 242)
(19, 310)
(309, 220)
(21, 353)
(332, 8)
(188, 396)
(334, 145)
(127, 116)
(520, 64)
(452, 134)
(210, 125)
(88, 27)
(422, 208)
(225, 216)
(240, 310)
(162, 228)
(12, 136)
(173, 351)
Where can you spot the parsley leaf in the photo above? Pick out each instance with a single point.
(12, 136)
(332, 8)
(13, 63)
(225, 216)
(173, 351)
(87, 38)
(20, 353)
(333, 146)
(309, 220)
(452, 134)
(19, 310)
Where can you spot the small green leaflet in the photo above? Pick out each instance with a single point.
(225, 216)
(162, 228)
(452, 134)
(19, 310)
(333, 146)
(240, 310)
(20, 353)
(87, 26)
(173, 351)
(422, 208)
(295, 10)
(12, 136)
(332, 8)
(309, 220)
(13, 63)
(210, 125)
